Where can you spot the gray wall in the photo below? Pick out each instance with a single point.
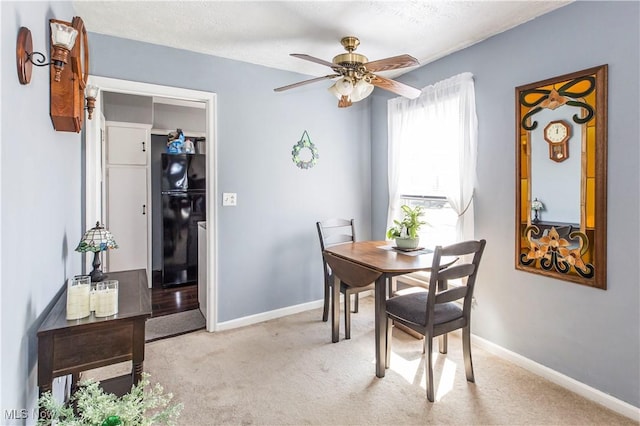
(269, 256)
(41, 204)
(127, 108)
(587, 334)
(171, 117)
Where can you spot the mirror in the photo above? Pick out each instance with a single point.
(561, 177)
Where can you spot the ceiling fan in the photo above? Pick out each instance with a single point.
(356, 74)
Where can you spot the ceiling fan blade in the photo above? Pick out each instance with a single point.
(316, 60)
(396, 87)
(302, 83)
(400, 61)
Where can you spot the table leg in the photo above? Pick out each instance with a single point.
(380, 321)
(335, 310)
(45, 368)
(138, 350)
(75, 380)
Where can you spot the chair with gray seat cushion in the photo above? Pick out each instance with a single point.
(330, 233)
(442, 309)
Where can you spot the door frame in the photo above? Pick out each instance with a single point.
(93, 167)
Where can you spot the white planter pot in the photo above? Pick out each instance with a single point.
(407, 243)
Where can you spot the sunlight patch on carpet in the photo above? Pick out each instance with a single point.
(411, 369)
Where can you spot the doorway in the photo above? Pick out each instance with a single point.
(94, 147)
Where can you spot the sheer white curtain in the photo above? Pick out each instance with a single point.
(433, 147)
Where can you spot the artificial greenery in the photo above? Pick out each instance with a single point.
(410, 224)
(91, 406)
(305, 143)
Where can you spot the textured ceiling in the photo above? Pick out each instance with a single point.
(265, 32)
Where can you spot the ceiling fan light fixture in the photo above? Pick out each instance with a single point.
(344, 86)
(334, 91)
(361, 90)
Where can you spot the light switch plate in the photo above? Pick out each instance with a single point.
(229, 198)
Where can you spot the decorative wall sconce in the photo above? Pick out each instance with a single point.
(91, 93)
(63, 38)
(67, 83)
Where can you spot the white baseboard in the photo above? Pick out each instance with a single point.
(289, 310)
(266, 316)
(560, 379)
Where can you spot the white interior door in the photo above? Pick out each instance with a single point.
(127, 217)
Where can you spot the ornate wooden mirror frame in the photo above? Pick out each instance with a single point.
(568, 240)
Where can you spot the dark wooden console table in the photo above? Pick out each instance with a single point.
(70, 347)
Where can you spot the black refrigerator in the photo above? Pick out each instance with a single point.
(184, 203)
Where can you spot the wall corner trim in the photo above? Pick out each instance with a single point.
(595, 395)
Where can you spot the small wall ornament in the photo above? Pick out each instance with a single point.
(299, 155)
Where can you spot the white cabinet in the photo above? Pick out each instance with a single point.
(127, 144)
(127, 206)
(127, 217)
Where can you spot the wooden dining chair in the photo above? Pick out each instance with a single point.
(330, 233)
(352, 279)
(441, 309)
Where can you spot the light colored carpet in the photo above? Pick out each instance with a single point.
(174, 324)
(287, 372)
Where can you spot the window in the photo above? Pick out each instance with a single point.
(441, 218)
(432, 158)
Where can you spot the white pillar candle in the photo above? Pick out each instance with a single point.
(77, 299)
(106, 298)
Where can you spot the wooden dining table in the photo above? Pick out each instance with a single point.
(380, 257)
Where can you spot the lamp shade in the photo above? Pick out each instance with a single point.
(361, 90)
(334, 91)
(96, 239)
(63, 35)
(344, 86)
(91, 91)
(537, 205)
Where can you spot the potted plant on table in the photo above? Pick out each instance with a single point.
(405, 231)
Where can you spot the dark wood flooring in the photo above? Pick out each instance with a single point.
(165, 301)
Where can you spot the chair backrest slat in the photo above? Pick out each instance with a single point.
(462, 248)
(451, 294)
(337, 239)
(457, 271)
(336, 231)
(440, 274)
